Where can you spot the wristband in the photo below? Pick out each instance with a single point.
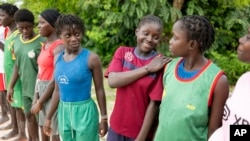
(104, 117)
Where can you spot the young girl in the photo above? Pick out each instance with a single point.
(195, 89)
(237, 106)
(75, 68)
(50, 49)
(137, 75)
(7, 12)
(27, 47)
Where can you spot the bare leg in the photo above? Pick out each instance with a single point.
(3, 103)
(14, 131)
(43, 136)
(32, 126)
(55, 138)
(21, 124)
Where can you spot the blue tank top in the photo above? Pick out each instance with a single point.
(74, 78)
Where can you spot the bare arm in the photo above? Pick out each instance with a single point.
(95, 66)
(54, 103)
(148, 120)
(13, 81)
(49, 89)
(53, 107)
(221, 93)
(38, 102)
(120, 79)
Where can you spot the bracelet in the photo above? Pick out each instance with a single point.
(104, 117)
(147, 69)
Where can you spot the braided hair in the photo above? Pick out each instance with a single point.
(199, 28)
(70, 21)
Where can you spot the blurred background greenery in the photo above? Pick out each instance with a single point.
(111, 23)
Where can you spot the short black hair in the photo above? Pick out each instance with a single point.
(24, 15)
(69, 20)
(10, 9)
(151, 19)
(200, 29)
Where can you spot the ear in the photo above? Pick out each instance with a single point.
(136, 31)
(192, 44)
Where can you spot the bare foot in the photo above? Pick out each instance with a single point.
(9, 126)
(3, 119)
(11, 134)
(20, 139)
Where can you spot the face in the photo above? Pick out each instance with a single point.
(72, 37)
(45, 29)
(26, 29)
(243, 50)
(5, 19)
(148, 36)
(178, 44)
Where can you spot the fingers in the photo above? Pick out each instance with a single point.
(47, 130)
(9, 99)
(34, 109)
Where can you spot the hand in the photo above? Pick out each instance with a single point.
(46, 127)
(158, 63)
(103, 128)
(10, 95)
(36, 107)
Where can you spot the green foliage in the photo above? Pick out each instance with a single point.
(232, 67)
(111, 23)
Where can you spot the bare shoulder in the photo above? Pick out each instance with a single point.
(58, 49)
(94, 60)
(222, 87)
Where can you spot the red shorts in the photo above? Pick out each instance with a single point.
(2, 82)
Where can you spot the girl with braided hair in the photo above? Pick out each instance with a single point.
(195, 89)
(75, 68)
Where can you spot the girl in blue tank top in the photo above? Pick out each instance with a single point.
(78, 118)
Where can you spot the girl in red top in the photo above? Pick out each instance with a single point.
(51, 47)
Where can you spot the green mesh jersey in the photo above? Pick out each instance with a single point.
(184, 111)
(26, 53)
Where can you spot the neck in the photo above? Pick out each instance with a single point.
(143, 54)
(12, 27)
(30, 37)
(51, 38)
(195, 63)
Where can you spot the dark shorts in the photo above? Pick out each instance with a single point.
(113, 136)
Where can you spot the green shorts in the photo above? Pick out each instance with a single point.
(78, 121)
(27, 104)
(17, 99)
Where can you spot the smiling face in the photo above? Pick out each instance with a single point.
(148, 36)
(45, 29)
(179, 43)
(243, 50)
(72, 37)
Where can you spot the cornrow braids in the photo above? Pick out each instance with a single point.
(151, 19)
(24, 15)
(69, 20)
(9, 9)
(200, 29)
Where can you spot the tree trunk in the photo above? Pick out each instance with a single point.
(178, 4)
